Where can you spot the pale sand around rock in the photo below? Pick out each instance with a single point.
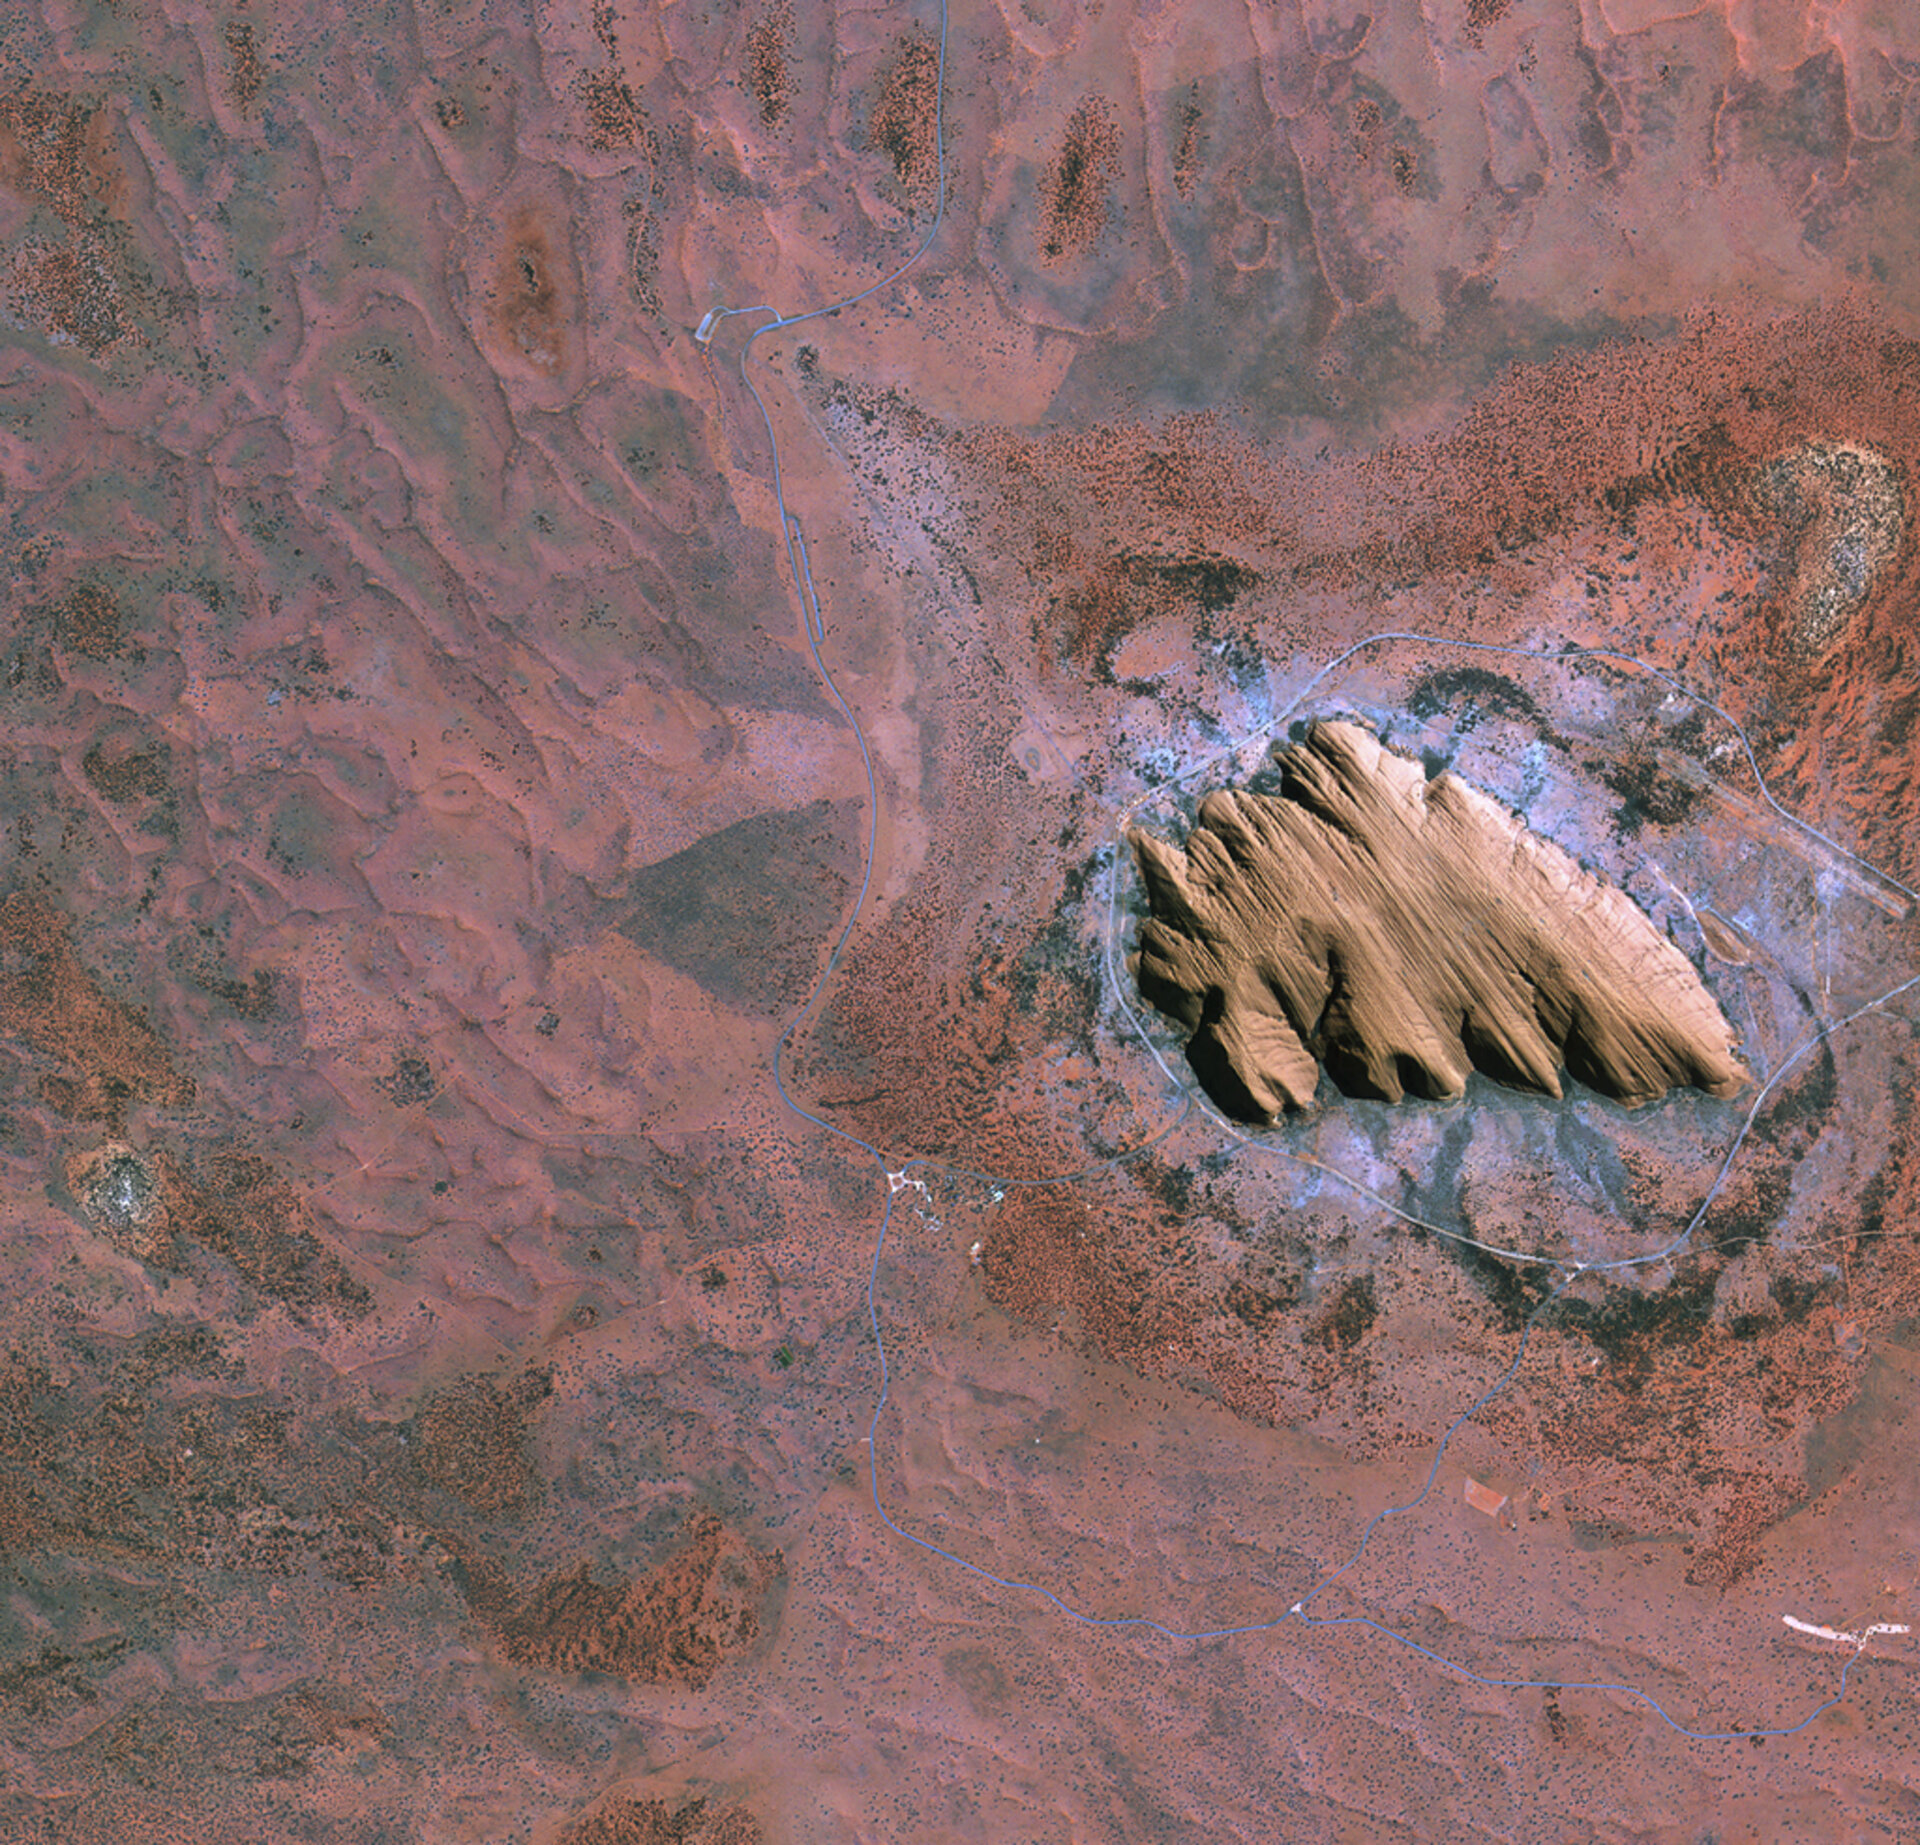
(1402, 932)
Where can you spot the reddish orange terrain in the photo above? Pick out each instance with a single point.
(1255, 834)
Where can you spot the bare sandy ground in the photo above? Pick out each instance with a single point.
(437, 1379)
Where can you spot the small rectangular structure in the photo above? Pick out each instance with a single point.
(1484, 1499)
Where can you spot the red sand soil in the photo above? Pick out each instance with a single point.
(435, 1361)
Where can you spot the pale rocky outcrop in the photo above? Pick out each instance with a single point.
(1402, 932)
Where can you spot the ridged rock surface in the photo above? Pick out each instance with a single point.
(1402, 932)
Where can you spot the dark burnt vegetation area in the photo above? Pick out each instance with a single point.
(1057, 978)
(1100, 601)
(1643, 1329)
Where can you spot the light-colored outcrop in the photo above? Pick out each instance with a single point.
(1401, 932)
(1844, 519)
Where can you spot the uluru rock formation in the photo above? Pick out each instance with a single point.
(1401, 932)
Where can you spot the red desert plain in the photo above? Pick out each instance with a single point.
(945, 922)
